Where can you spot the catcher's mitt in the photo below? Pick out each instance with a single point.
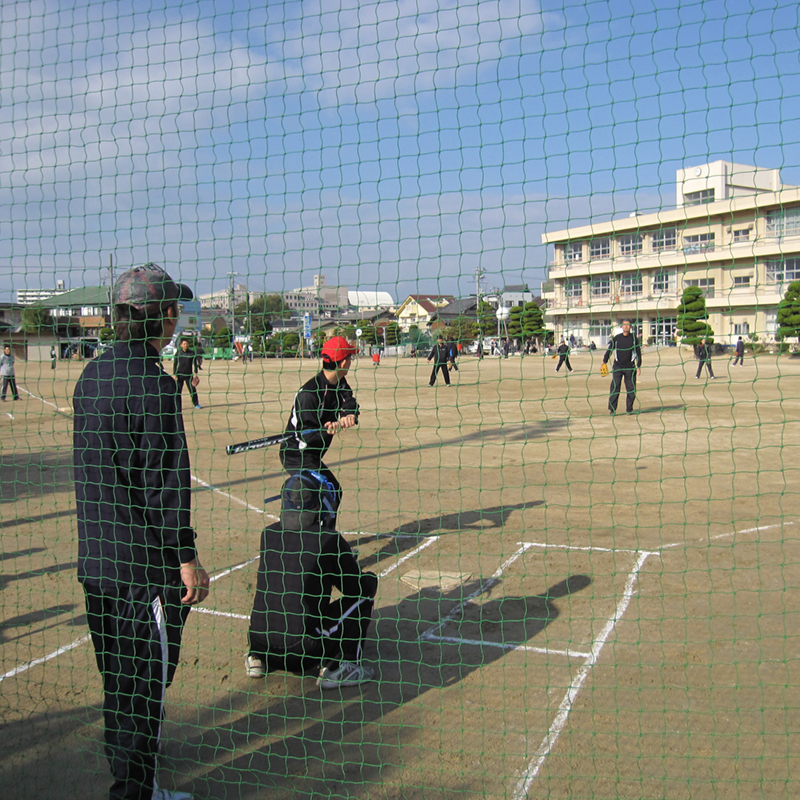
(553, 356)
(604, 370)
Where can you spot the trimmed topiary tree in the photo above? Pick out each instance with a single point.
(789, 312)
(692, 316)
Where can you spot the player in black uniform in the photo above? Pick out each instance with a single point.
(137, 558)
(325, 402)
(563, 356)
(627, 352)
(295, 625)
(440, 355)
(185, 367)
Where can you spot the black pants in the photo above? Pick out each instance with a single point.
(563, 360)
(707, 365)
(445, 373)
(336, 629)
(619, 374)
(136, 632)
(187, 379)
(740, 359)
(10, 382)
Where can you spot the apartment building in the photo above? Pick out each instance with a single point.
(735, 233)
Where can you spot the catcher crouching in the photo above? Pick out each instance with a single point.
(295, 626)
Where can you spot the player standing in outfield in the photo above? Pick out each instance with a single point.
(704, 359)
(563, 356)
(739, 353)
(440, 355)
(137, 559)
(7, 373)
(627, 366)
(324, 405)
(295, 625)
(185, 369)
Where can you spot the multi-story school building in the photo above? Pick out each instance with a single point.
(735, 233)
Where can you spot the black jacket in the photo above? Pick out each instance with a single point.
(132, 479)
(627, 351)
(317, 402)
(440, 354)
(185, 364)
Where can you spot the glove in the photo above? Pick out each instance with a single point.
(604, 370)
(554, 357)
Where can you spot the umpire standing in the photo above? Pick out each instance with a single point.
(627, 352)
(137, 560)
(440, 355)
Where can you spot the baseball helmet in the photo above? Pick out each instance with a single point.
(310, 491)
(337, 349)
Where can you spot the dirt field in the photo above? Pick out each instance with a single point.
(571, 605)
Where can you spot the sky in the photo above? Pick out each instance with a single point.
(384, 144)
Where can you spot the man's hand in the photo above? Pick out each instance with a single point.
(341, 424)
(196, 380)
(195, 579)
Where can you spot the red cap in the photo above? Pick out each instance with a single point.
(337, 349)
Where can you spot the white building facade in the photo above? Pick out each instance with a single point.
(735, 233)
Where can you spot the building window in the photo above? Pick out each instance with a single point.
(785, 270)
(741, 235)
(600, 329)
(663, 282)
(741, 280)
(600, 248)
(665, 239)
(630, 245)
(573, 251)
(771, 323)
(601, 287)
(664, 329)
(698, 243)
(631, 284)
(706, 284)
(699, 198)
(573, 289)
(741, 329)
(783, 222)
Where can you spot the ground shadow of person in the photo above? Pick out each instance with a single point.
(343, 743)
(405, 537)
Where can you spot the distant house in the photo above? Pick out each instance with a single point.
(516, 295)
(419, 309)
(80, 312)
(462, 309)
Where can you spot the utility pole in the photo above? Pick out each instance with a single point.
(231, 275)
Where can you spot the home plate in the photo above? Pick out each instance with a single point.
(429, 578)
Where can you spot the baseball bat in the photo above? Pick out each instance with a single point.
(267, 441)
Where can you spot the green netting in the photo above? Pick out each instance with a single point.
(571, 604)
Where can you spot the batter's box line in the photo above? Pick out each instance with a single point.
(508, 646)
(562, 716)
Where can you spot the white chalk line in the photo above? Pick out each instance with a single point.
(214, 612)
(427, 543)
(36, 397)
(483, 587)
(234, 498)
(509, 646)
(560, 721)
(37, 661)
(228, 572)
(729, 534)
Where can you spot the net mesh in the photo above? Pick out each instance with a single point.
(571, 603)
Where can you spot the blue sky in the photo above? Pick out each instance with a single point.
(387, 145)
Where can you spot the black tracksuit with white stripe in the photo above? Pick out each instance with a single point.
(132, 485)
(294, 624)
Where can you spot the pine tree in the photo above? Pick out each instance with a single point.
(789, 312)
(692, 316)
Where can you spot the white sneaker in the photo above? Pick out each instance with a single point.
(255, 667)
(346, 674)
(166, 794)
